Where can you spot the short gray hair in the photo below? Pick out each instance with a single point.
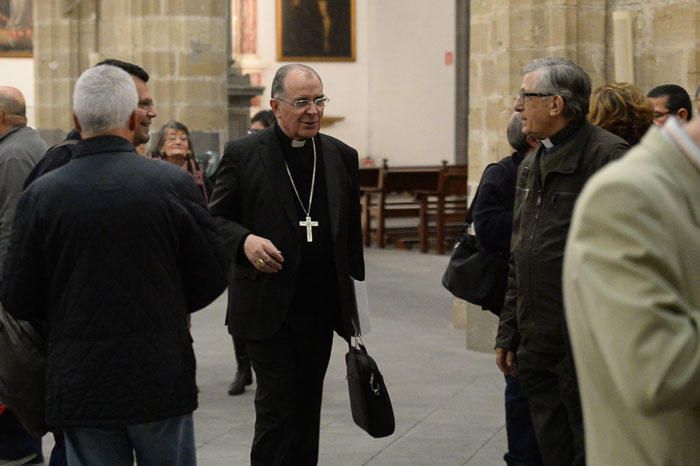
(562, 77)
(104, 99)
(516, 138)
(277, 89)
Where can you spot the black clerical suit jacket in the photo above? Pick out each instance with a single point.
(253, 196)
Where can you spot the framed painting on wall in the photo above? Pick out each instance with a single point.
(16, 28)
(316, 30)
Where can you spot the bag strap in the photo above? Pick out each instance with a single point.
(468, 219)
(359, 344)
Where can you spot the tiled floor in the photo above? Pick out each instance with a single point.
(448, 401)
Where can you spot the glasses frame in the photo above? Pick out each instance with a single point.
(522, 95)
(183, 138)
(303, 104)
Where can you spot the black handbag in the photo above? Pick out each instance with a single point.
(369, 399)
(22, 372)
(476, 274)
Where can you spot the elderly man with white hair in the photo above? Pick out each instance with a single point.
(112, 252)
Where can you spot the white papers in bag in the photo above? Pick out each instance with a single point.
(362, 302)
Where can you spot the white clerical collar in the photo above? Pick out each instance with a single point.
(547, 143)
(673, 131)
(297, 143)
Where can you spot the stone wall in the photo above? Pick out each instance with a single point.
(182, 44)
(507, 35)
(666, 38)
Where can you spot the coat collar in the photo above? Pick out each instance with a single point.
(271, 155)
(567, 153)
(10, 131)
(102, 145)
(684, 172)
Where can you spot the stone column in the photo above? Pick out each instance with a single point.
(182, 45)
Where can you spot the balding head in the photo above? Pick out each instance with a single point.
(13, 111)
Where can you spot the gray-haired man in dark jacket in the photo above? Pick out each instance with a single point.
(113, 251)
(552, 103)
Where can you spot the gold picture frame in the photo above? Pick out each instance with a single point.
(315, 30)
(16, 28)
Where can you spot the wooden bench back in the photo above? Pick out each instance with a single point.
(409, 179)
(368, 177)
(453, 180)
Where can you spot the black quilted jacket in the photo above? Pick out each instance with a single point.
(112, 252)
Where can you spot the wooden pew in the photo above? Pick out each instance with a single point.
(393, 198)
(444, 209)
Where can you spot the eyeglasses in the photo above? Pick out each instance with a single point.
(659, 115)
(300, 104)
(182, 138)
(522, 95)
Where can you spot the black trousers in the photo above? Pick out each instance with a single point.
(549, 383)
(290, 369)
(240, 349)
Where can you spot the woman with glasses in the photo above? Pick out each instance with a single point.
(173, 144)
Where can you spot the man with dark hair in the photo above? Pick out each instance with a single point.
(553, 103)
(261, 120)
(99, 232)
(288, 203)
(20, 149)
(60, 154)
(670, 99)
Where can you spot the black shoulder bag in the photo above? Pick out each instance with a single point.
(475, 274)
(369, 399)
(22, 372)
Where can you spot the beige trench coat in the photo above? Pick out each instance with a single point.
(632, 299)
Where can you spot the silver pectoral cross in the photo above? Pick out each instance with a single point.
(308, 223)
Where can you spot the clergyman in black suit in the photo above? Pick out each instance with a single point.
(287, 202)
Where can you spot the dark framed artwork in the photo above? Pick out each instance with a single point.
(316, 30)
(16, 28)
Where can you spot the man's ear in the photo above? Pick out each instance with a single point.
(76, 123)
(274, 104)
(557, 106)
(682, 113)
(132, 121)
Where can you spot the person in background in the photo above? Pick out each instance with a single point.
(173, 144)
(287, 203)
(60, 154)
(493, 225)
(670, 99)
(244, 375)
(622, 109)
(127, 250)
(261, 120)
(633, 302)
(532, 342)
(20, 150)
